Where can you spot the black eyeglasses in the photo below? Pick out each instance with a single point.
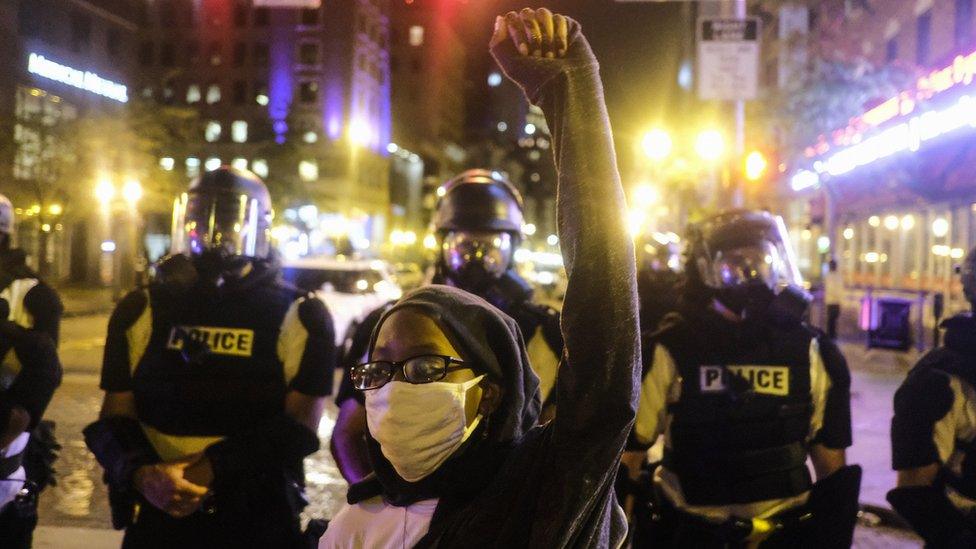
(416, 370)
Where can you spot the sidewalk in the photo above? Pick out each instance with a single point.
(65, 537)
(85, 300)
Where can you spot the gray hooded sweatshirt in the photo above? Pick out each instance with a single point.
(515, 484)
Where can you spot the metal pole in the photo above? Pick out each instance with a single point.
(740, 129)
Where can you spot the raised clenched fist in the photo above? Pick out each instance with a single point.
(537, 33)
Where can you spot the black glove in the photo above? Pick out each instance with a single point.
(933, 516)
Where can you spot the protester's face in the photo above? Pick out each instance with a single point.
(408, 333)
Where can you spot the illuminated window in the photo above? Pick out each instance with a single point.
(308, 92)
(212, 164)
(167, 163)
(239, 163)
(260, 167)
(308, 170)
(213, 94)
(212, 131)
(192, 93)
(310, 137)
(416, 36)
(192, 166)
(238, 131)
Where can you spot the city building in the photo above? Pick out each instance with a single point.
(888, 192)
(427, 65)
(63, 60)
(299, 95)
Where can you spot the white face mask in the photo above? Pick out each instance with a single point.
(419, 426)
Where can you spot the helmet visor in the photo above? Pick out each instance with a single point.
(491, 251)
(748, 249)
(227, 222)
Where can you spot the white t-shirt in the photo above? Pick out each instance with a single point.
(375, 524)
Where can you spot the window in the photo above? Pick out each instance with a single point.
(308, 53)
(310, 137)
(261, 17)
(260, 54)
(166, 54)
(310, 17)
(240, 54)
(147, 92)
(80, 32)
(113, 42)
(261, 93)
(212, 132)
(240, 15)
(260, 167)
(192, 93)
(964, 22)
(192, 53)
(923, 37)
(167, 163)
(146, 54)
(416, 36)
(891, 49)
(238, 131)
(215, 55)
(308, 92)
(213, 94)
(240, 92)
(168, 93)
(308, 170)
(239, 163)
(211, 164)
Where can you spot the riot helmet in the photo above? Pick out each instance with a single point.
(223, 222)
(967, 275)
(478, 221)
(6, 221)
(658, 252)
(745, 258)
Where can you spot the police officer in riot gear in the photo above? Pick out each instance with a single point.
(744, 392)
(30, 317)
(214, 376)
(478, 223)
(933, 433)
(658, 264)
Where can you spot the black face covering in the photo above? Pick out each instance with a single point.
(757, 301)
(217, 266)
(475, 259)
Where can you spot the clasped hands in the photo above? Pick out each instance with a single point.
(175, 487)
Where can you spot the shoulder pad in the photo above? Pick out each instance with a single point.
(925, 394)
(314, 315)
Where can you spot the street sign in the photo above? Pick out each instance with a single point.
(728, 58)
(288, 3)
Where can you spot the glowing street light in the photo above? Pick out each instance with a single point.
(710, 145)
(940, 227)
(55, 209)
(132, 191)
(756, 165)
(104, 191)
(656, 144)
(360, 132)
(645, 196)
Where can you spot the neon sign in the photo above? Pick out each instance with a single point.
(83, 80)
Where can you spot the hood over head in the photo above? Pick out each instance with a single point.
(492, 341)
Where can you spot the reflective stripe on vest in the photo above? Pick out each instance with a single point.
(174, 447)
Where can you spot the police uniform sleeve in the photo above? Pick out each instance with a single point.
(656, 388)
(923, 406)
(831, 388)
(117, 359)
(44, 305)
(40, 372)
(307, 347)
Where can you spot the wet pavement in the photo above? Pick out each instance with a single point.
(78, 504)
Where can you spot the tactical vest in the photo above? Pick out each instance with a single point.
(210, 368)
(738, 433)
(11, 458)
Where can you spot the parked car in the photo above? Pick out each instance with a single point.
(350, 289)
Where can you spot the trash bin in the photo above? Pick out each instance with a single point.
(890, 327)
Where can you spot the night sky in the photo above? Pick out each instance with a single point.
(638, 44)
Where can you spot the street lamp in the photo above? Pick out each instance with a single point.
(656, 144)
(104, 192)
(132, 192)
(645, 196)
(710, 145)
(755, 165)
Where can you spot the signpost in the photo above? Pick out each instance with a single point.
(728, 59)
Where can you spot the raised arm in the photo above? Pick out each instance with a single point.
(597, 387)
